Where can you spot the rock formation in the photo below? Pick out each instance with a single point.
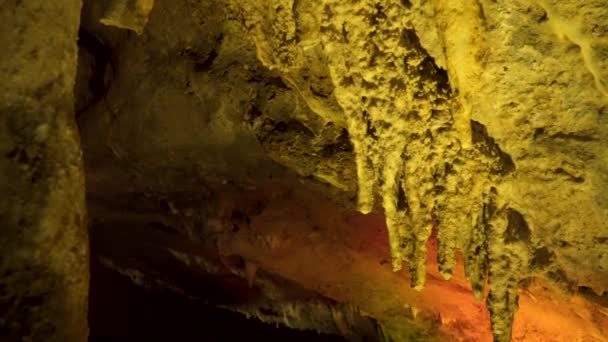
(243, 138)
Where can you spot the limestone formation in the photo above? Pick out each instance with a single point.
(468, 157)
(260, 131)
(44, 260)
(128, 14)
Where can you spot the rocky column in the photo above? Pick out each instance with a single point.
(44, 267)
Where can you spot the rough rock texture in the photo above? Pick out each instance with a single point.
(237, 137)
(529, 92)
(44, 262)
(534, 75)
(128, 14)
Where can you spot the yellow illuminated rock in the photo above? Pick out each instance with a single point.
(326, 151)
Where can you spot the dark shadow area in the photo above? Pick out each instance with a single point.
(122, 311)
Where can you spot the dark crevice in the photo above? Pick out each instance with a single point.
(206, 63)
(577, 137)
(253, 113)
(406, 3)
(590, 294)
(542, 258)
(379, 15)
(318, 93)
(402, 200)
(282, 131)
(292, 126)
(345, 33)
(164, 204)
(600, 239)
(295, 13)
(573, 136)
(238, 217)
(560, 278)
(163, 227)
(121, 311)
(517, 227)
(370, 129)
(276, 82)
(268, 312)
(98, 82)
(488, 146)
(342, 145)
(538, 133)
(409, 39)
(427, 69)
(569, 176)
(430, 71)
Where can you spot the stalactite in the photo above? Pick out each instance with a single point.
(475, 251)
(396, 212)
(411, 147)
(502, 299)
(393, 115)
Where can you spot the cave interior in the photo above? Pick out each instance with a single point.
(327, 170)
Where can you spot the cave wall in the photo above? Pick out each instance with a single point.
(44, 260)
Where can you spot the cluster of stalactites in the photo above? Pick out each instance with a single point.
(394, 116)
(408, 149)
(408, 152)
(459, 200)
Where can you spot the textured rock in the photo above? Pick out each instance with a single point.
(44, 265)
(533, 75)
(485, 122)
(530, 76)
(128, 14)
